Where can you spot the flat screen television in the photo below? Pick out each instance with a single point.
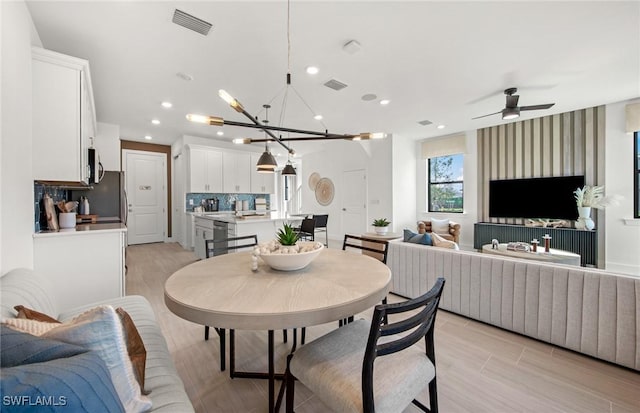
(535, 197)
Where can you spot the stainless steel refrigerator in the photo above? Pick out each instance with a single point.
(107, 199)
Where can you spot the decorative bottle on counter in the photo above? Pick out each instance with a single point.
(85, 206)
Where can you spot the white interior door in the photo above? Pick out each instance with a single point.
(145, 173)
(354, 202)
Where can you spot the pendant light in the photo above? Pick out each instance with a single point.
(288, 169)
(267, 163)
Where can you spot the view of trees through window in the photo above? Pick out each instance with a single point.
(445, 185)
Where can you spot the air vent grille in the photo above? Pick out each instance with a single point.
(425, 122)
(335, 84)
(191, 22)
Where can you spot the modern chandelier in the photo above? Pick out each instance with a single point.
(267, 163)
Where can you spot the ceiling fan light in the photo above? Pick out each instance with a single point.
(288, 169)
(266, 161)
(241, 141)
(510, 113)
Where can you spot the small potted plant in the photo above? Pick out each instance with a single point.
(381, 226)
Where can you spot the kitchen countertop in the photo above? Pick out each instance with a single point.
(83, 229)
(229, 216)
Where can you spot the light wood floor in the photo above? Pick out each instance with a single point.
(480, 368)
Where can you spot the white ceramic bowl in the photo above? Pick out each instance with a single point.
(291, 262)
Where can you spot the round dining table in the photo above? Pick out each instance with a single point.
(224, 292)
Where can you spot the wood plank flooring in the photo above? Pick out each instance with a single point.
(480, 368)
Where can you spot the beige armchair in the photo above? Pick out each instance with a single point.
(453, 234)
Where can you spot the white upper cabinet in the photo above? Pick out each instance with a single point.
(63, 116)
(261, 183)
(236, 172)
(205, 170)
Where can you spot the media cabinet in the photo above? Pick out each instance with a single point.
(582, 242)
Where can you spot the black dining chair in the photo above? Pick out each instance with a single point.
(215, 247)
(320, 222)
(339, 366)
(380, 251)
(307, 230)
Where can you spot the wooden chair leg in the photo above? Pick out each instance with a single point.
(433, 396)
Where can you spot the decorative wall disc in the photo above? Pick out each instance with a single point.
(324, 191)
(313, 180)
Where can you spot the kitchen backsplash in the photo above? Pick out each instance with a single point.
(58, 194)
(226, 202)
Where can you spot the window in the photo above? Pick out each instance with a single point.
(636, 175)
(445, 183)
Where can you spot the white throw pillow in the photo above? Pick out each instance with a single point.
(438, 241)
(440, 226)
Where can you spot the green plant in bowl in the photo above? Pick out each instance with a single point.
(381, 222)
(287, 235)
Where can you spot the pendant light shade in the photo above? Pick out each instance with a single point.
(288, 169)
(267, 161)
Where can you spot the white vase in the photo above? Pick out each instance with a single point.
(584, 219)
(381, 230)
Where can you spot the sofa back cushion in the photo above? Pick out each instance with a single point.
(22, 287)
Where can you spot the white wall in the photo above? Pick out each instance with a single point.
(404, 170)
(470, 201)
(375, 157)
(107, 142)
(622, 232)
(17, 209)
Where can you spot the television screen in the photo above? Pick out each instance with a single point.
(550, 198)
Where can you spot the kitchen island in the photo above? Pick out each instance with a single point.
(85, 264)
(208, 225)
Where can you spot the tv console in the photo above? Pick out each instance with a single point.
(581, 242)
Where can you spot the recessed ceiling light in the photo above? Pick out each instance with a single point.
(318, 117)
(384, 102)
(155, 121)
(312, 70)
(167, 104)
(148, 137)
(220, 133)
(440, 126)
(368, 97)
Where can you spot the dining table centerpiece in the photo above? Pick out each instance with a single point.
(287, 252)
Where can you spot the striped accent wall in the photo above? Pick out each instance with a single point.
(565, 144)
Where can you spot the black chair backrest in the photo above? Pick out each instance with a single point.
(422, 325)
(221, 246)
(308, 226)
(321, 220)
(352, 241)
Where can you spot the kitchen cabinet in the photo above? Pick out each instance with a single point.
(83, 266)
(261, 183)
(236, 172)
(205, 170)
(63, 116)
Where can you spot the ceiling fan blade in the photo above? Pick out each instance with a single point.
(484, 116)
(512, 101)
(537, 107)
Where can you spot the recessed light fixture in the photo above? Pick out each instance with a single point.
(155, 121)
(220, 133)
(440, 126)
(312, 70)
(318, 117)
(384, 102)
(166, 104)
(368, 97)
(148, 137)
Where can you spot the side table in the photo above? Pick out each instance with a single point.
(374, 245)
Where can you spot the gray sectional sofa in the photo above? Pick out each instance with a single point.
(587, 310)
(23, 287)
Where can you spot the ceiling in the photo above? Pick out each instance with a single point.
(445, 62)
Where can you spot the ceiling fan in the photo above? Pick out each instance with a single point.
(511, 109)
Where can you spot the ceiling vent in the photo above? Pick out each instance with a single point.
(425, 122)
(335, 85)
(191, 22)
